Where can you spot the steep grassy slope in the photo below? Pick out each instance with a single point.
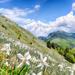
(21, 41)
(11, 29)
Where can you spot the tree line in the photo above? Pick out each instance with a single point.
(68, 52)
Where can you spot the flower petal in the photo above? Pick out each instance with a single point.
(39, 65)
(45, 59)
(20, 56)
(27, 55)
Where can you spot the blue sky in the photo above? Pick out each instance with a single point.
(41, 16)
(49, 9)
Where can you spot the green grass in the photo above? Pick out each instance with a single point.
(14, 31)
(7, 70)
(18, 33)
(64, 47)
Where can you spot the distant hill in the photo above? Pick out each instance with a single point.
(61, 37)
(63, 42)
(61, 34)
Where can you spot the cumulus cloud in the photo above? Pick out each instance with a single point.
(37, 7)
(63, 23)
(15, 14)
(18, 15)
(39, 28)
(73, 6)
(36, 27)
(3, 1)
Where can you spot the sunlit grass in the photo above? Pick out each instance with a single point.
(13, 70)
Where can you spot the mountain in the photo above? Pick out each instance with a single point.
(19, 44)
(61, 34)
(42, 38)
(62, 38)
(67, 38)
(64, 43)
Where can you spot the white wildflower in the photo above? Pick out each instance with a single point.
(73, 67)
(24, 59)
(71, 72)
(42, 61)
(20, 56)
(34, 74)
(61, 66)
(6, 48)
(27, 55)
(6, 63)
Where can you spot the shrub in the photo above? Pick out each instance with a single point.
(68, 53)
(70, 58)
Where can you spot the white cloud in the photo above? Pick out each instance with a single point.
(36, 27)
(73, 6)
(3, 1)
(39, 28)
(66, 23)
(37, 7)
(18, 15)
(63, 23)
(16, 12)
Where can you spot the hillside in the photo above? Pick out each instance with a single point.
(16, 42)
(68, 39)
(64, 43)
